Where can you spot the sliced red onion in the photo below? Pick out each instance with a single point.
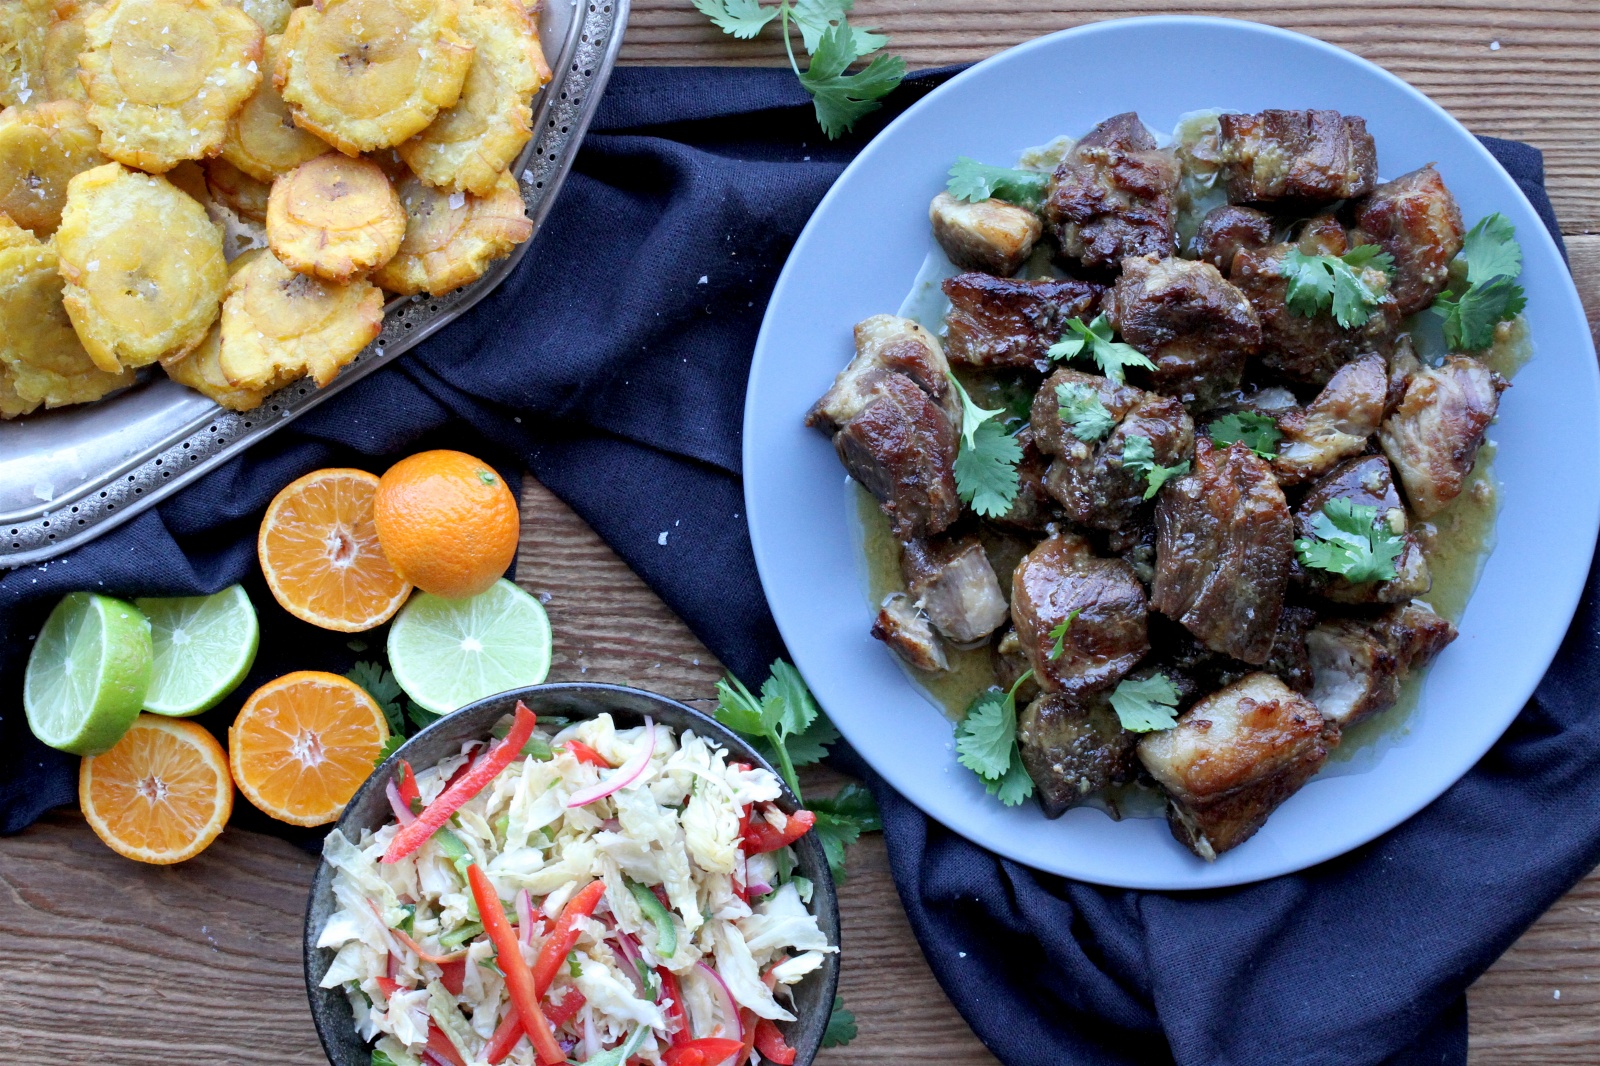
(758, 890)
(622, 776)
(630, 951)
(525, 916)
(730, 1006)
(398, 805)
(392, 971)
(431, 1059)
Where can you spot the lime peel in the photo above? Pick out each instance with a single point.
(449, 653)
(204, 646)
(88, 673)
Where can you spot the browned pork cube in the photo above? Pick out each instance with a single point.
(954, 584)
(991, 235)
(1073, 746)
(1303, 156)
(1365, 482)
(1232, 760)
(1416, 220)
(1224, 544)
(885, 343)
(1108, 635)
(1000, 322)
(907, 633)
(1112, 196)
(1360, 663)
(1335, 425)
(1432, 436)
(1226, 231)
(1192, 324)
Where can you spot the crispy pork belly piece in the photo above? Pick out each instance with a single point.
(1336, 424)
(1226, 231)
(1108, 636)
(1224, 544)
(909, 635)
(1073, 746)
(1416, 220)
(1233, 758)
(884, 343)
(1315, 156)
(1360, 663)
(1001, 322)
(954, 584)
(1112, 196)
(1185, 316)
(1365, 482)
(991, 235)
(1432, 435)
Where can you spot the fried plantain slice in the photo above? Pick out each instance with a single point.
(41, 147)
(263, 140)
(279, 325)
(63, 40)
(335, 217)
(12, 405)
(232, 186)
(271, 15)
(42, 358)
(201, 370)
(366, 74)
(143, 266)
(471, 142)
(164, 76)
(23, 26)
(451, 238)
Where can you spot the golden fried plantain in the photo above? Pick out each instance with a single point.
(271, 15)
(42, 358)
(11, 404)
(335, 217)
(365, 74)
(201, 370)
(471, 142)
(246, 195)
(63, 40)
(262, 139)
(164, 76)
(451, 238)
(143, 266)
(279, 325)
(41, 147)
(23, 26)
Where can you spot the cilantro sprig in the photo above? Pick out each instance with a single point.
(841, 1028)
(986, 744)
(1259, 432)
(1139, 456)
(1146, 705)
(840, 98)
(986, 461)
(1494, 261)
(1058, 634)
(974, 182)
(379, 683)
(1083, 412)
(1320, 282)
(1094, 339)
(1349, 540)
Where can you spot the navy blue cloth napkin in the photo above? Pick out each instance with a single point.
(613, 365)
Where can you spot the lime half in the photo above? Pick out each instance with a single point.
(447, 653)
(204, 645)
(87, 674)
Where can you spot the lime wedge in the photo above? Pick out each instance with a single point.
(87, 674)
(204, 645)
(447, 653)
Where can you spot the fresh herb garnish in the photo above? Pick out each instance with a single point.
(1139, 456)
(1083, 412)
(380, 1058)
(1059, 633)
(833, 44)
(1349, 540)
(974, 182)
(1318, 282)
(841, 1025)
(1147, 705)
(1112, 356)
(1259, 432)
(986, 744)
(986, 463)
(1494, 261)
(841, 820)
(377, 681)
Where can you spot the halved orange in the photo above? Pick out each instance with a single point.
(302, 745)
(319, 552)
(161, 794)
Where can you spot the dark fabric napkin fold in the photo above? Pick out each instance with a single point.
(613, 365)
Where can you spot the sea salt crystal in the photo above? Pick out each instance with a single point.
(45, 491)
(704, 280)
(662, 540)
(1494, 46)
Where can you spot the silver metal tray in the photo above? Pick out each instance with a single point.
(68, 476)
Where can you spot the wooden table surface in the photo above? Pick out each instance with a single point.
(107, 961)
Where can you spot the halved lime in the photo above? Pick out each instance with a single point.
(204, 645)
(87, 674)
(447, 653)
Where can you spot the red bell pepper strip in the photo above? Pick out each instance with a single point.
(707, 1051)
(677, 1056)
(388, 987)
(564, 935)
(453, 975)
(762, 836)
(770, 1042)
(410, 795)
(747, 1021)
(508, 953)
(441, 1045)
(413, 836)
(677, 1018)
(509, 1033)
(584, 753)
(570, 1005)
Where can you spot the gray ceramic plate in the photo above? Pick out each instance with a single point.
(369, 809)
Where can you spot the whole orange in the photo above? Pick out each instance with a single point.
(447, 522)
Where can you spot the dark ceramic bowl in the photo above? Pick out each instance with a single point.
(369, 809)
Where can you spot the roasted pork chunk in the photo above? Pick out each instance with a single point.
(1178, 654)
(1233, 758)
(953, 583)
(991, 235)
(1302, 156)
(1416, 220)
(1366, 482)
(1108, 635)
(1073, 746)
(1432, 436)
(908, 633)
(1000, 322)
(1360, 663)
(1224, 543)
(1193, 325)
(1334, 426)
(884, 343)
(1112, 196)
(1226, 231)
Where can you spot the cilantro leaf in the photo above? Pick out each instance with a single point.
(797, 709)
(1318, 282)
(1095, 338)
(841, 821)
(987, 734)
(390, 746)
(1147, 705)
(1494, 260)
(841, 1025)
(839, 98)
(1082, 411)
(421, 717)
(1139, 456)
(1259, 432)
(973, 182)
(380, 1058)
(1059, 633)
(1016, 785)
(986, 464)
(816, 17)
(812, 745)
(741, 18)
(1490, 250)
(737, 708)
(385, 691)
(1349, 540)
